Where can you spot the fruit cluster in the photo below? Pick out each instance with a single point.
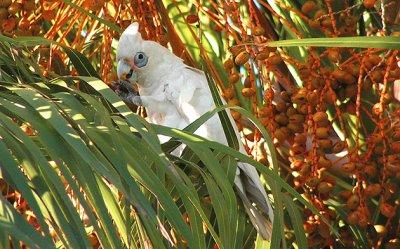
(25, 17)
(335, 126)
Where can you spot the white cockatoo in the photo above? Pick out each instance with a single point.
(175, 95)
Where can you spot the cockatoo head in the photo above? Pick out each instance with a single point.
(138, 58)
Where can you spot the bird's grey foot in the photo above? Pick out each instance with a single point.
(127, 93)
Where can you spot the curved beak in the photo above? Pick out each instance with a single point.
(126, 72)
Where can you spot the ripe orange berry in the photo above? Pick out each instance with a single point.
(192, 18)
(5, 3)
(320, 116)
(228, 64)
(262, 55)
(369, 3)
(296, 150)
(236, 115)
(312, 182)
(395, 148)
(322, 132)
(3, 13)
(235, 50)
(275, 60)
(290, 110)
(269, 95)
(324, 230)
(29, 5)
(348, 167)
(27, 130)
(308, 7)
(281, 119)
(229, 93)
(300, 138)
(281, 106)
(396, 135)
(295, 127)
(217, 28)
(370, 170)
(319, 13)
(375, 138)
(334, 56)
(280, 135)
(324, 163)
(234, 101)
(247, 82)
(24, 24)
(363, 221)
(265, 111)
(309, 227)
(338, 146)
(233, 78)
(387, 98)
(296, 118)
(353, 218)
(258, 30)
(387, 210)
(297, 164)
(14, 8)
(345, 194)
(325, 144)
(372, 61)
(373, 189)
(326, 22)
(285, 95)
(9, 24)
(315, 24)
(48, 14)
(94, 241)
(242, 58)
(353, 202)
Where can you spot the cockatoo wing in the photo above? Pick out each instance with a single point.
(194, 100)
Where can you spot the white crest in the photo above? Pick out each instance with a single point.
(129, 42)
(132, 29)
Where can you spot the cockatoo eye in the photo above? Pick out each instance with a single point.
(140, 59)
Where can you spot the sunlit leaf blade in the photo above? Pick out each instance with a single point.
(386, 42)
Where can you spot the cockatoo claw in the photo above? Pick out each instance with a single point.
(124, 84)
(136, 100)
(127, 93)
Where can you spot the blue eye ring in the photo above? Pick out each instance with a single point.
(140, 59)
